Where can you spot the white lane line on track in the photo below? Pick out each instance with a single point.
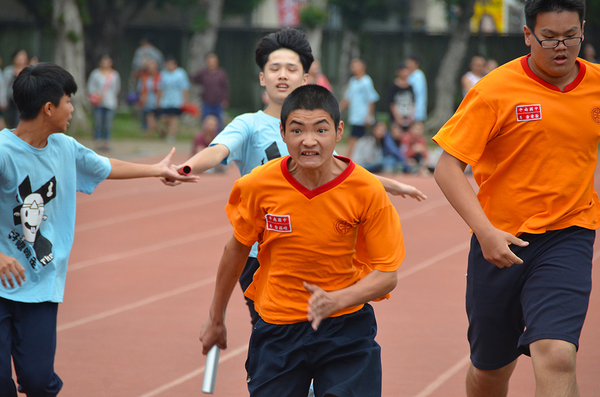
(135, 305)
(422, 209)
(195, 373)
(431, 261)
(440, 380)
(151, 212)
(151, 248)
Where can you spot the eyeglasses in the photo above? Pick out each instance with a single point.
(553, 43)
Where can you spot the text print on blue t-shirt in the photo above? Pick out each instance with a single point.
(30, 214)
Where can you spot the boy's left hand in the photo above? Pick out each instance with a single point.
(320, 305)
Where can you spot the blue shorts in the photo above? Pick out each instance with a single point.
(358, 131)
(28, 339)
(544, 298)
(341, 356)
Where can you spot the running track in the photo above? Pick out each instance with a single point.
(142, 274)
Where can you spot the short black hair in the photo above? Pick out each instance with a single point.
(311, 97)
(39, 84)
(415, 58)
(535, 7)
(290, 38)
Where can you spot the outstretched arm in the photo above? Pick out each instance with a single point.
(396, 188)
(205, 159)
(232, 263)
(323, 304)
(126, 170)
(449, 175)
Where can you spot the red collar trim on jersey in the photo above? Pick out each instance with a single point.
(568, 88)
(321, 189)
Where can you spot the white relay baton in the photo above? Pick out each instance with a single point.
(210, 370)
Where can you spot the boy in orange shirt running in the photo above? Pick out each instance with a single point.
(311, 295)
(531, 130)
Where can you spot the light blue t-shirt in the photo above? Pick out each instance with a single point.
(172, 84)
(37, 209)
(252, 139)
(360, 94)
(419, 84)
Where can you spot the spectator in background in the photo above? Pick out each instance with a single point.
(20, 60)
(589, 53)
(144, 53)
(418, 81)
(379, 151)
(208, 132)
(173, 93)
(147, 89)
(415, 149)
(476, 72)
(104, 85)
(490, 65)
(402, 98)
(215, 88)
(360, 98)
(315, 76)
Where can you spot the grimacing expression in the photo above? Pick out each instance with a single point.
(310, 136)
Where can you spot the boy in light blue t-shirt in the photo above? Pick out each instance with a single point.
(41, 170)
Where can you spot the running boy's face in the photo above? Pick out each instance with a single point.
(283, 73)
(60, 115)
(552, 64)
(310, 136)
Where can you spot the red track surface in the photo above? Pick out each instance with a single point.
(142, 274)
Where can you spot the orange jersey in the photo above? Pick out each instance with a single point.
(311, 235)
(533, 148)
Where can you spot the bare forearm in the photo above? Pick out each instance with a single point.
(231, 266)
(450, 177)
(126, 170)
(208, 158)
(374, 285)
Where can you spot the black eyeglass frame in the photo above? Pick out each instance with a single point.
(580, 38)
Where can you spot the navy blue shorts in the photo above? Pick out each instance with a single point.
(28, 339)
(358, 131)
(341, 356)
(544, 298)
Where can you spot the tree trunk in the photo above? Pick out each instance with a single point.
(204, 42)
(448, 74)
(69, 52)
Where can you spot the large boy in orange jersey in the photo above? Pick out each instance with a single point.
(305, 210)
(530, 129)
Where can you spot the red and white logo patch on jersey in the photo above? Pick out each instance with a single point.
(529, 112)
(279, 223)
